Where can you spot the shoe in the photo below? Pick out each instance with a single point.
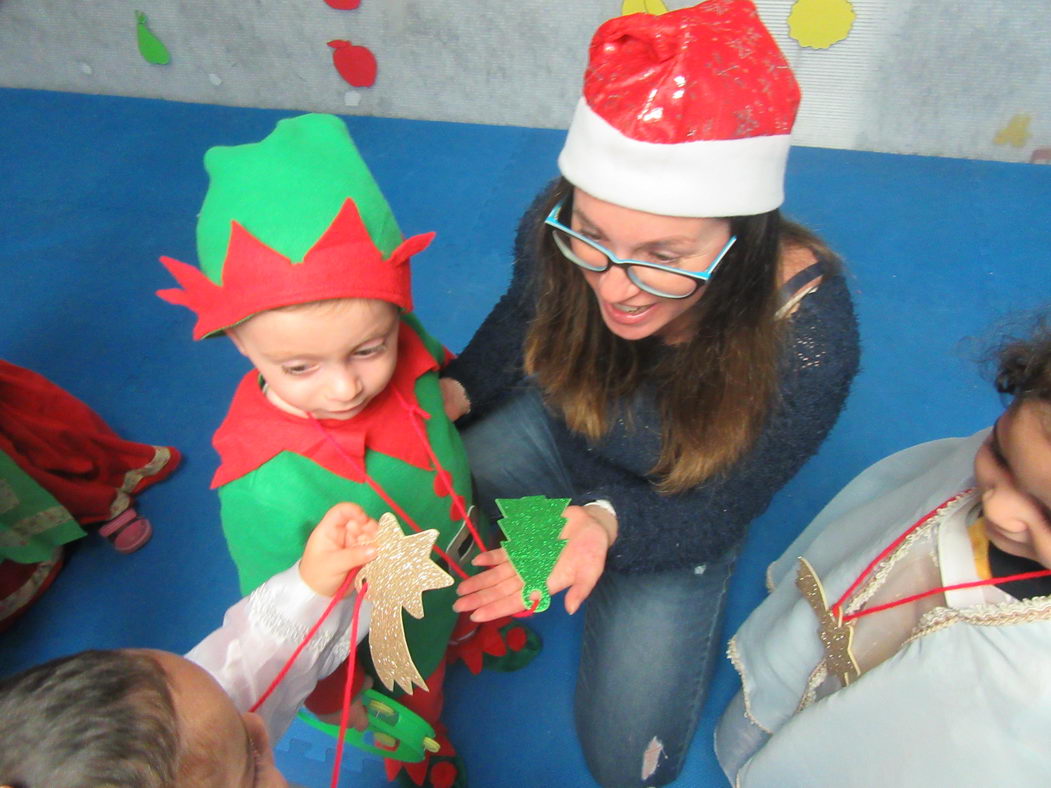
(127, 532)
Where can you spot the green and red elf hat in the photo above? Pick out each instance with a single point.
(289, 220)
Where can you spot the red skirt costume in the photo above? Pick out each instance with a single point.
(66, 448)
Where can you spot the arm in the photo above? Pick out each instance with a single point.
(261, 632)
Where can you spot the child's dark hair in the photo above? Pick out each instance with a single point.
(97, 718)
(1024, 366)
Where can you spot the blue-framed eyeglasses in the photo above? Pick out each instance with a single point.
(659, 279)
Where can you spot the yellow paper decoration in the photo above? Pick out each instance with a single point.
(1015, 133)
(819, 24)
(655, 7)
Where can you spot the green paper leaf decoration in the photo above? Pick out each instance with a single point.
(151, 48)
(532, 526)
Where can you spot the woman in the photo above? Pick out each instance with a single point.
(669, 353)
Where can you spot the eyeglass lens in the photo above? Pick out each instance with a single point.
(654, 280)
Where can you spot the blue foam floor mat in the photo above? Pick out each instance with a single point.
(95, 188)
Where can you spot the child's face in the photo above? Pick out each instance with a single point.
(1013, 470)
(224, 748)
(326, 360)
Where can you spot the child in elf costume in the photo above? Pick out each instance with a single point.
(303, 266)
(905, 640)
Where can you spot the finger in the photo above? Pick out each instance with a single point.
(357, 555)
(576, 595)
(346, 511)
(500, 609)
(468, 604)
(563, 574)
(584, 583)
(508, 589)
(359, 716)
(360, 532)
(486, 579)
(491, 558)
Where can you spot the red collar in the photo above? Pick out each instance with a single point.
(255, 431)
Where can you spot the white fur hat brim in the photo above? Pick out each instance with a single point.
(711, 178)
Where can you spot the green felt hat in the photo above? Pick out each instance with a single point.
(286, 191)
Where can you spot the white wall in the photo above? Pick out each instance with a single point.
(937, 77)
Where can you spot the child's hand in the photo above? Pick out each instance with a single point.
(342, 541)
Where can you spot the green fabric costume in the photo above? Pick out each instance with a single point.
(269, 512)
(33, 525)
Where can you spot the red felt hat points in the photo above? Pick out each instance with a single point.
(344, 263)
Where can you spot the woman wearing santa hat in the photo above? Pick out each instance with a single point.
(670, 352)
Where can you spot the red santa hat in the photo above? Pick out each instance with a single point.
(686, 113)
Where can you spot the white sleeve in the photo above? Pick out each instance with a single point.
(262, 631)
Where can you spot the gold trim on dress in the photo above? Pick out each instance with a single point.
(161, 457)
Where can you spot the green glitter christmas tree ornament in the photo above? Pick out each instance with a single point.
(532, 526)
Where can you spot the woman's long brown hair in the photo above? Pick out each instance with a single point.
(715, 390)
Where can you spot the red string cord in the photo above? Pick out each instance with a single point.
(313, 631)
(458, 504)
(387, 499)
(349, 684)
(530, 611)
(932, 591)
(837, 607)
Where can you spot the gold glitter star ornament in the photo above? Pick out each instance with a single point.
(836, 637)
(399, 574)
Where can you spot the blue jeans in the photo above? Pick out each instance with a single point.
(650, 640)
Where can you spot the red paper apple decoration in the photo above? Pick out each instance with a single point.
(356, 64)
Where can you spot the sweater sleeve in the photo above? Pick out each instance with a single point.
(259, 635)
(491, 365)
(658, 532)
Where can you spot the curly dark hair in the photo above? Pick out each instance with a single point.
(1024, 366)
(96, 718)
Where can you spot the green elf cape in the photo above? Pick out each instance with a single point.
(293, 219)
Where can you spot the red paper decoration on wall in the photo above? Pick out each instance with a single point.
(356, 64)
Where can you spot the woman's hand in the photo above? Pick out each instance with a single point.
(497, 592)
(343, 540)
(454, 398)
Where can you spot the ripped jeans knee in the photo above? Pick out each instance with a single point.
(649, 646)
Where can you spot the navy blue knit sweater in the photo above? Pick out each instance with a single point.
(657, 531)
